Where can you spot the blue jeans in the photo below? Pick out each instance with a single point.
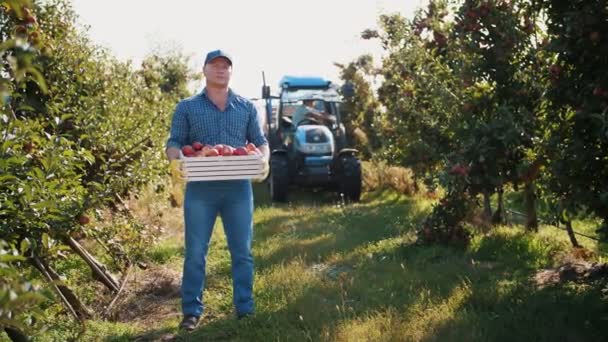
(233, 201)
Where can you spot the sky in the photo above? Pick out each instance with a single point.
(279, 37)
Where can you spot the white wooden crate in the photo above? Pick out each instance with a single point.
(222, 167)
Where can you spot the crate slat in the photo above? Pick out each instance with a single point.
(224, 177)
(222, 167)
(194, 168)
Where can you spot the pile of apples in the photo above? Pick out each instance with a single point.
(197, 149)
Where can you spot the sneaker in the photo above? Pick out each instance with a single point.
(189, 323)
(243, 315)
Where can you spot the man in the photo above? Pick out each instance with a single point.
(308, 111)
(216, 116)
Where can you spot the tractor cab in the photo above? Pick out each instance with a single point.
(307, 139)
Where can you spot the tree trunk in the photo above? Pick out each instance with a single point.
(530, 207)
(499, 216)
(69, 299)
(99, 270)
(16, 335)
(571, 234)
(487, 207)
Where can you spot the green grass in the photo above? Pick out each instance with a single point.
(166, 251)
(327, 272)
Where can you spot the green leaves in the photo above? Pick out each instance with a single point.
(78, 129)
(18, 297)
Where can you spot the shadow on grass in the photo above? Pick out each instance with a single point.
(375, 284)
(496, 300)
(419, 283)
(164, 334)
(296, 196)
(519, 250)
(566, 312)
(326, 233)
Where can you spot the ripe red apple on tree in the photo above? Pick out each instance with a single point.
(20, 30)
(599, 91)
(28, 147)
(83, 219)
(472, 14)
(460, 170)
(555, 70)
(484, 9)
(28, 18)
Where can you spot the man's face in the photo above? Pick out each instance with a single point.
(218, 72)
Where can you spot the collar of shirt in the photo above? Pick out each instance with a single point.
(229, 101)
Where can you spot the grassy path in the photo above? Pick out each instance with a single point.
(326, 272)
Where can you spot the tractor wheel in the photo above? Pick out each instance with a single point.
(279, 178)
(350, 182)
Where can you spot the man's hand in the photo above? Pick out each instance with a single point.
(265, 171)
(172, 153)
(265, 162)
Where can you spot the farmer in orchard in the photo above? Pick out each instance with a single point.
(307, 110)
(216, 116)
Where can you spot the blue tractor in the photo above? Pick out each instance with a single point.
(307, 139)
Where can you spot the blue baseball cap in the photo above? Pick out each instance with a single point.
(215, 54)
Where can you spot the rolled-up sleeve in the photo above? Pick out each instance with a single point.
(255, 134)
(179, 127)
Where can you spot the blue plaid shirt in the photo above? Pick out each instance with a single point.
(198, 119)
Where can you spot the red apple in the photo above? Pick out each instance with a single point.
(227, 150)
(598, 91)
(28, 147)
(212, 152)
(555, 70)
(28, 17)
(219, 148)
(188, 151)
(197, 146)
(200, 153)
(459, 170)
(21, 30)
(251, 147)
(595, 36)
(83, 219)
(240, 151)
(484, 10)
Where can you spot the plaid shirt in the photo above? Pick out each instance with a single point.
(198, 119)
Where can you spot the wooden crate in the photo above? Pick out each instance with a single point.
(222, 168)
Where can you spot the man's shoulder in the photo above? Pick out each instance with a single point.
(242, 100)
(189, 100)
(188, 104)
